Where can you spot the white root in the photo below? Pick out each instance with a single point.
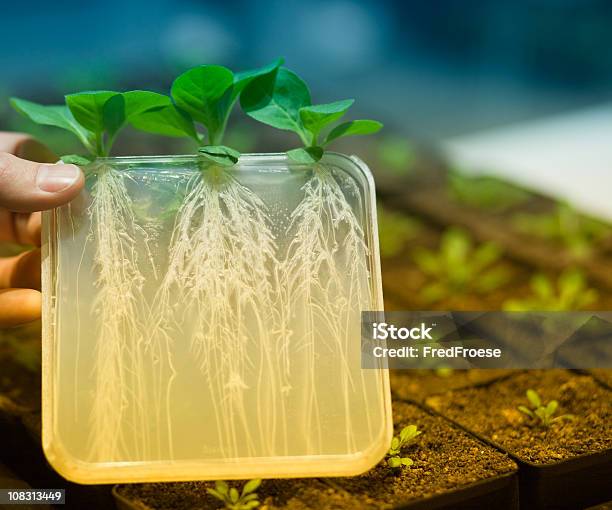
(120, 391)
(245, 310)
(218, 290)
(326, 278)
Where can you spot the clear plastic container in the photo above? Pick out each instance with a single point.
(204, 323)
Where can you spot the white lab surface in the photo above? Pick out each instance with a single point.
(567, 156)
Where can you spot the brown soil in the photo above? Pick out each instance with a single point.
(298, 494)
(417, 385)
(603, 375)
(491, 411)
(445, 459)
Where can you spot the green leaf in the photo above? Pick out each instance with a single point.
(220, 154)
(526, 410)
(88, 108)
(113, 114)
(165, 120)
(316, 117)
(395, 443)
(75, 159)
(275, 99)
(57, 116)
(406, 461)
(222, 487)
(251, 504)
(534, 398)
(215, 494)
(140, 101)
(394, 462)
(551, 408)
(409, 433)
(306, 155)
(205, 93)
(251, 486)
(242, 79)
(352, 128)
(233, 494)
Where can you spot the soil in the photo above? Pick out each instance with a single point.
(491, 412)
(603, 375)
(417, 385)
(445, 459)
(298, 494)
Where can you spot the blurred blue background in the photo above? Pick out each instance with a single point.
(434, 69)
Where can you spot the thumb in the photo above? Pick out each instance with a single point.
(26, 186)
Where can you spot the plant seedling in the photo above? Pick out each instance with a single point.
(208, 94)
(234, 500)
(216, 230)
(459, 266)
(204, 94)
(282, 100)
(566, 226)
(571, 292)
(96, 118)
(406, 437)
(542, 412)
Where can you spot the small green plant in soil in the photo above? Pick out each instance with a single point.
(234, 500)
(459, 266)
(398, 443)
(569, 292)
(484, 192)
(576, 232)
(395, 230)
(543, 413)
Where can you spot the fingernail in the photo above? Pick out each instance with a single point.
(55, 178)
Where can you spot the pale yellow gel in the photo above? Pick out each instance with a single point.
(239, 356)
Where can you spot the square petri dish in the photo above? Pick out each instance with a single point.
(204, 322)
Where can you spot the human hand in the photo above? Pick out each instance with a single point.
(26, 187)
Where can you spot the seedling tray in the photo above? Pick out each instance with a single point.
(501, 493)
(574, 483)
(568, 484)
